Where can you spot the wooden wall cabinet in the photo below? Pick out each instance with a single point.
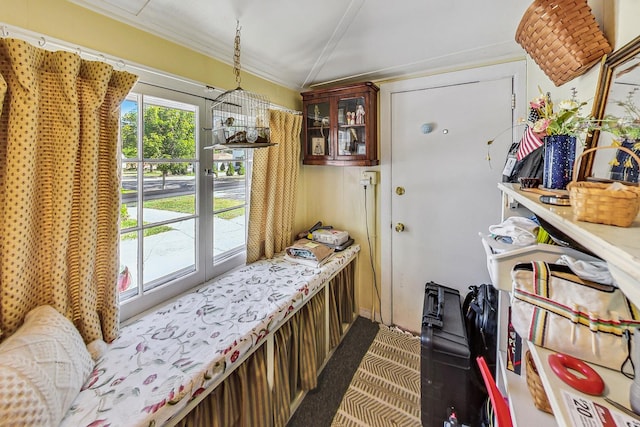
(340, 126)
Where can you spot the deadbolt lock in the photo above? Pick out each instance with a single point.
(399, 227)
(399, 191)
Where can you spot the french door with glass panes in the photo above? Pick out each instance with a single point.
(183, 208)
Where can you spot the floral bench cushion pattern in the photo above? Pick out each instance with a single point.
(169, 356)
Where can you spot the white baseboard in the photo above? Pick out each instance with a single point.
(366, 313)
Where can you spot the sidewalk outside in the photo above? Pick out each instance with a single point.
(173, 250)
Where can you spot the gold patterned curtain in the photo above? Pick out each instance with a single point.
(59, 187)
(273, 188)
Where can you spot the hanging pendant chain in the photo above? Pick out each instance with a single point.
(236, 54)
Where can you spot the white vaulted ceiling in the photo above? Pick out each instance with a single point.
(303, 43)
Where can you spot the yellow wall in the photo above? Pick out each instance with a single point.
(333, 195)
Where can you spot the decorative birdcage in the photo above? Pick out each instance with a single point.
(239, 116)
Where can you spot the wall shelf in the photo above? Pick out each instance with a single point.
(524, 413)
(618, 246)
(616, 388)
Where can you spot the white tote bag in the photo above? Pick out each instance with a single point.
(555, 309)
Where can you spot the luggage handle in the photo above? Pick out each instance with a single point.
(434, 296)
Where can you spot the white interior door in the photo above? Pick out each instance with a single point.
(450, 189)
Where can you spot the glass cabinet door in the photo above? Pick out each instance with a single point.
(351, 126)
(318, 129)
(340, 125)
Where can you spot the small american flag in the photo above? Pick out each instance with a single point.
(530, 141)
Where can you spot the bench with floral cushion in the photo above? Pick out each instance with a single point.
(166, 358)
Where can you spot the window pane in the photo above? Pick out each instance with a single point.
(128, 216)
(129, 127)
(229, 201)
(169, 192)
(129, 141)
(169, 129)
(129, 198)
(226, 155)
(169, 251)
(229, 190)
(158, 164)
(228, 231)
(128, 277)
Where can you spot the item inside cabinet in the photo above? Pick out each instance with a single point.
(318, 146)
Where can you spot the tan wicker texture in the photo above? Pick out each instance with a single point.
(594, 202)
(562, 37)
(534, 384)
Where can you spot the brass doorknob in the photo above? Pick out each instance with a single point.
(399, 191)
(399, 227)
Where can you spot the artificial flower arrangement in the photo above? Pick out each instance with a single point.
(566, 119)
(544, 119)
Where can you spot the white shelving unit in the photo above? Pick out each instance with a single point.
(523, 411)
(616, 389)
(620, 248)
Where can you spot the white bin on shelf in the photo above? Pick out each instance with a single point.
(501, 264)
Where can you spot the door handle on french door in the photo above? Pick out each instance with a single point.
(399, 227)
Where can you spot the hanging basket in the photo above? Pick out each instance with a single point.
(595, 202)
(562, 37)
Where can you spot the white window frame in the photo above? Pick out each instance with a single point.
(206, 267)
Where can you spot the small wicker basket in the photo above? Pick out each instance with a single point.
(562, 37)
(594, 202)
(534, 383)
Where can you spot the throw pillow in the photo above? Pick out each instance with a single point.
(43, 365)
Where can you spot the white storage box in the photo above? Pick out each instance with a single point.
(330, 237)
(501, 264)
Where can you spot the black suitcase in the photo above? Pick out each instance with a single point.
(445, 361)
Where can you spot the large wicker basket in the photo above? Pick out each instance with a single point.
(562, 37)
(534, 383)
(595, 202)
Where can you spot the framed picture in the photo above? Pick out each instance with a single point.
(317, 146)
(361, 148)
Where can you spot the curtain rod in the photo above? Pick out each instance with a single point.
(50, 43)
